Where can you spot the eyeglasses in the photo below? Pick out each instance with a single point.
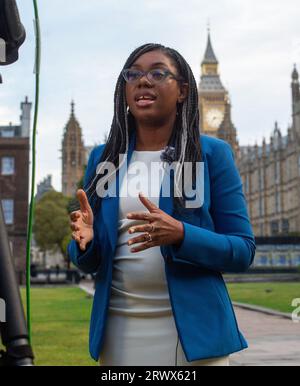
(154, 76)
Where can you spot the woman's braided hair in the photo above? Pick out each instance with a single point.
(185, 134)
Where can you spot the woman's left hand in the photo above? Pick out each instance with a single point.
(164, 229)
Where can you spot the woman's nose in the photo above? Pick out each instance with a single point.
(144, 81)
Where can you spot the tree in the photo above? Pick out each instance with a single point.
(51, 226)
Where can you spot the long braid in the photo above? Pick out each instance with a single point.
(184, 138)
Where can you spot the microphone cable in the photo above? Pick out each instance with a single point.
(33, 163)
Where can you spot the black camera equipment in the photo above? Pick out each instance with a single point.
(12, 32)
(13, 329)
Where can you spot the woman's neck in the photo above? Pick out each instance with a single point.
(153, 138)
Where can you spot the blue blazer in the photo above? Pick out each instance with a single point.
(218, 238)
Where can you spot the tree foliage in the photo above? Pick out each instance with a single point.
(51, 225)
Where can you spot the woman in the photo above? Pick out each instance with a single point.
(160, 297)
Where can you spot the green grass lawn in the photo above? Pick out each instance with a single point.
(60, 323)
(276, 296)
(60, 317)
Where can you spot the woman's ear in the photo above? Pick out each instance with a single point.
(184, 89)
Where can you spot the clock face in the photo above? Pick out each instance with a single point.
(214, 118)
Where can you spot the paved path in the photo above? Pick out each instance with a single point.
(272, 340)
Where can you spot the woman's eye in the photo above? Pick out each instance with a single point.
(133, 75)
(157, 74)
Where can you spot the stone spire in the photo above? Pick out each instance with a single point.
(295, 75)
(295, 97)
(227, 131)
(73, 155)
(209, 56)
(72, 107)
(210, 80)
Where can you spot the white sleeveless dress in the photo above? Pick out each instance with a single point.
(140, 329)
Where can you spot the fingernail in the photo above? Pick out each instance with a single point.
(129, 215)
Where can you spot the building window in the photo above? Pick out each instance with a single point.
(282, 260)
(73, 158)
(261, 206)
(260, 180)
(261, 229)
(285, 226)
(8, 133)
(264, 261)
(274, 228)
(247, 183)
(8, 211)
(7, 166)
(277, 172)
(277, 202)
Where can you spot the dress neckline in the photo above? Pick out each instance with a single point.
(148, 151)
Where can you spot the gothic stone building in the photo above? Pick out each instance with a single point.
(14, 184)
(73, 155)
(271, 177)
(270, 173)
(214, 103)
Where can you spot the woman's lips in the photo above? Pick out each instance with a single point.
(144, 102)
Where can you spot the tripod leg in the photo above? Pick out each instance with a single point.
(14, 333)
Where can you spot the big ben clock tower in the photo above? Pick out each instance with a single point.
(214, 104)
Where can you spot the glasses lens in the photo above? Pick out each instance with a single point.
(157, 75)
(131, 75)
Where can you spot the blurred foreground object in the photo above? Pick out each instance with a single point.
(13, 329)
(12, 32)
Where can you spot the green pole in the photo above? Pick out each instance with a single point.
(33, 164)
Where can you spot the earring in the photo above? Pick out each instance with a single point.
(128, 111)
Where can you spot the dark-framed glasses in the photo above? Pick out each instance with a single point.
(154, 76)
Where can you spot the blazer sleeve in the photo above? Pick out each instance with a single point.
(89, 260)
(231, 247)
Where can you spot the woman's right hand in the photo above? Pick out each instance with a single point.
(82, 221)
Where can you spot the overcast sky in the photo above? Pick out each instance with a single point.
(85, 44)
